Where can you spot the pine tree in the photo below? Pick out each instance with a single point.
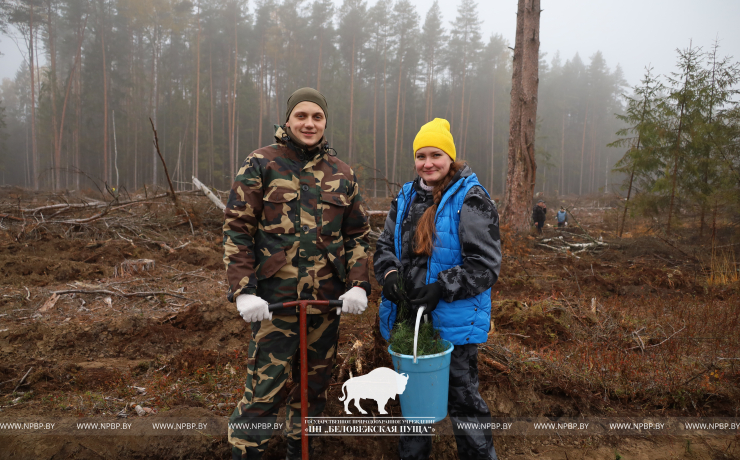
(643, 121)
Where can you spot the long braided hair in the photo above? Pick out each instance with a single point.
(425, 230)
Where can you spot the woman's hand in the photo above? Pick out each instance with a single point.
(429, 297)
(390, 287)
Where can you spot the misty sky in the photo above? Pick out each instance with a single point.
(633, 33)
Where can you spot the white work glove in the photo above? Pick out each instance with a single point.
(355, 301)
(252, 308)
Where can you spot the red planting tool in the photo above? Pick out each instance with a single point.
(303, 304)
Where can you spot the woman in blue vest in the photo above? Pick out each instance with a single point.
(442, 237)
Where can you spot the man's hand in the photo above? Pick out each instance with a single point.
(355, 301)
(428, 296)
(252, 308)
(390, 287)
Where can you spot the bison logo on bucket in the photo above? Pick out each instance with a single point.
(381, 385)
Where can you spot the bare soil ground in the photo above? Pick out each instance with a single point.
(640, 327)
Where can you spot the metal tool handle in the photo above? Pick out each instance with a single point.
(281, 305)
(419, 314)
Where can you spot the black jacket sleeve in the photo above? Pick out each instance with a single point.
(385, 258)
(481, 249)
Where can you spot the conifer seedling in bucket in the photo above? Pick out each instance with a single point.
(425, 357)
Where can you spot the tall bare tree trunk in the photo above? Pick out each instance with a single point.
(451, 101)
(227, 118)
(232, 163)
(34, 152)
(462, 96)
(155, 100)
(522, 169)
(431, 98)
(592, 159)
(262, 87)
(58, 150)
(583, 149)
(493, 123)
(56, 158)
(277, 88)
(78, 116)
(210, 159)
(375, 133)
(561, 182)
(106, 176)
(318, 73)
(385, 111)
(465, 131)
(351, 100)
(398, 111)
(403, 124)
(197, 99)
(430, 89)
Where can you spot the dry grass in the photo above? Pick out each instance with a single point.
(655, 352)
(722, 268)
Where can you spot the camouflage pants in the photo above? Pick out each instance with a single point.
(464, 405)
(273, 353)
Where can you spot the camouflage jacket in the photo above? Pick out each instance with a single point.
(295, 227)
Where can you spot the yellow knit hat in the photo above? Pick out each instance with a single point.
(436, 133)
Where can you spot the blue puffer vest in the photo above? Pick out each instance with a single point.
(462, 321)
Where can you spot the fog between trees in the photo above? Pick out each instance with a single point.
(214, 77)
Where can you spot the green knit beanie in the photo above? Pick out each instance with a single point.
(309, 95)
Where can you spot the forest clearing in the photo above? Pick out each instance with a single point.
(643, 326)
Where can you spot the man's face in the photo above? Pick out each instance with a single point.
(307, 121)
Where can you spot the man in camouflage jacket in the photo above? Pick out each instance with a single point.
(295, 229)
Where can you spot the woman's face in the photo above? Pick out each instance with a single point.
(432, 164)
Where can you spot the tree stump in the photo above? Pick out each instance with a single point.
(129, 267)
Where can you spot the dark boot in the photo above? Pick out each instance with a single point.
(251, 454)
(293, 449)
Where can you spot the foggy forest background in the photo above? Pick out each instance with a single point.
(214, 77)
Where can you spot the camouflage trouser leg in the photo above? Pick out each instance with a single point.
(273, 351)
(464, 405)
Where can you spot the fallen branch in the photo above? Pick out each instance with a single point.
(669, 338)
(579, 226)
(156, 144)
(6, 216)
(22, 379)
(576, 247)
(495, 364)
(208, 193)
(677, 248)
(120, 294)
(92, 205)
(87, 220)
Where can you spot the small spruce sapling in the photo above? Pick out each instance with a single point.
(402, 334)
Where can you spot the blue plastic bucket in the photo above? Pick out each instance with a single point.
(426, 390)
